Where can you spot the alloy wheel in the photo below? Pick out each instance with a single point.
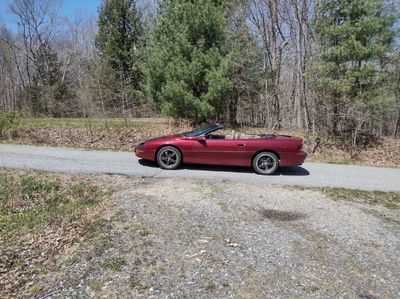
(265, 163)
(169, 158)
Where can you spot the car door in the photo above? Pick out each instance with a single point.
(220, 152)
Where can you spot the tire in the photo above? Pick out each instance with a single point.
(169, 157)
(265, 163)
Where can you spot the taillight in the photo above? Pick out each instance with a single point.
(300, 147)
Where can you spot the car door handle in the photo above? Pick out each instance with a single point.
(241, 144)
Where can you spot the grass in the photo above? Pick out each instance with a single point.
(95, 123)
(135, 282)
(389, 200)
(144, 232)
(115, 264)
(95, 285)
(119, 216)
(32, 202)
(345, 161)
(42, 216)
(97, 228)
(112, 134)
(311, 288)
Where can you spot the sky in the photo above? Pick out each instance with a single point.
(68, 8)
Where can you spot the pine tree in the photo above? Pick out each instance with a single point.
(189, 64)
(355, 37)
(119, 41)
(48, 93)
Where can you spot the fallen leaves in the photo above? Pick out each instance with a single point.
(50, 219)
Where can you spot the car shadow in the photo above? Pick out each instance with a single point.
(287, 171)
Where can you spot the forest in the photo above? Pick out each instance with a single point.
(313, 65)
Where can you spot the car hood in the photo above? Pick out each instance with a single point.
(164, 138)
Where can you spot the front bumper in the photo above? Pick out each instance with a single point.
(143, 153)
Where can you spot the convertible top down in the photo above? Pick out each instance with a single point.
(264, 152)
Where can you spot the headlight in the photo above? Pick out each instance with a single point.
(139, 148)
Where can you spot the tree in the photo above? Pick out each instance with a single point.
(301, 14)
(48, 92)
(247, 71)
(119, 40)
(189, 65)
(37, 63)
(355, 37)
(395, 89)
(266, 17)
(9, 85)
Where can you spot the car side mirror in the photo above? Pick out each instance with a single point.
(201, 138)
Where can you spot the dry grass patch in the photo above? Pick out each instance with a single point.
(42, 217)
(113, 134)
(385, 205)
(390, 200)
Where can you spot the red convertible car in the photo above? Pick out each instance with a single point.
(265, 152)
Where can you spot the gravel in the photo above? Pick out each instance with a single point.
(203, 239)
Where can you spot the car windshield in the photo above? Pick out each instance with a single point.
(202, 131)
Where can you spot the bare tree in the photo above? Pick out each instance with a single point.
(8, 80)
(301, 14)
(37, 22)
(266, 16)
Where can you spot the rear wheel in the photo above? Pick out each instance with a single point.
(265, 163)
(169, 157)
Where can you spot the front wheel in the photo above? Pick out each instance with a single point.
(169, 157)
(265, 163)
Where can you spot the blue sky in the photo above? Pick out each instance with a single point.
(68, 8)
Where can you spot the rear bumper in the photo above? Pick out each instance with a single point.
(291, 159)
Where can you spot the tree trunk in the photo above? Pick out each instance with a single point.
(275, 63)
(232, 113)
(299, 67)
(397, 128)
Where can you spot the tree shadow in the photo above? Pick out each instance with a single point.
(287, 171)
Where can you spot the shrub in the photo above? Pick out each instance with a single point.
(8, 119)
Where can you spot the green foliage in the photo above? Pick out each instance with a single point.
(390, 200)
(48, 92)
(8, 119)
(119, 42)
(387, 199)
(31, 186)
(29, 202)
(119, 36)
(355, 37)
(189, 64)
(394, 76)
(115, 264)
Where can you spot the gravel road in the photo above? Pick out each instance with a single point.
(82, 161)
(196, 238)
